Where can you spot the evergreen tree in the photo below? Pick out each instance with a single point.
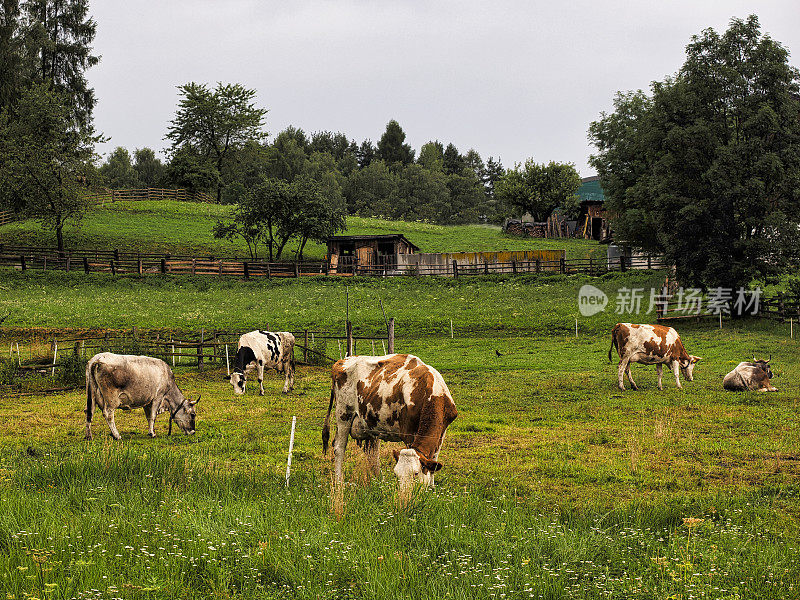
(60, 37)
(391, 148)
(366, 153)
(453, 161)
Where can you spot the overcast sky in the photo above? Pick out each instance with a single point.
(514, 80)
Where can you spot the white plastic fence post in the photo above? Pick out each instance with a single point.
(173, 355)
(373, 347)
(291, 445)
(227, 361)
(19, 359)
(384, 347)
(340, 348)
(451, 329)
(55, 354)
(720, 319)
(576, 327)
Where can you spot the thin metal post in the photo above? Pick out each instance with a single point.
(291, 446)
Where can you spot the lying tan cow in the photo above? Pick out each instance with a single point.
(650, 345)
(396, 398)
(753, 375)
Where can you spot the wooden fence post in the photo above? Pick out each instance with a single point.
(538, 265)
(305, 348)
(622, 264)
(139, 266)
(163, 266)
(513, 266)
(591, 266)
(113, 267)
(486, 267)
(455, 269)
(194, 266)
(44, 263)
(269, 271)
(246, 270)
(390, 340)
(86, 265)
(69, 260)
(200, 350)
(563, 265)
(296, 269)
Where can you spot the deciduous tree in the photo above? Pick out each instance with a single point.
(707, 168)
(216, 122)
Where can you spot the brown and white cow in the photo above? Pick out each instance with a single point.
(753, 375)
(395, 398)
(650, 345)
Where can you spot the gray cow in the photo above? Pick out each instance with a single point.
(753, 375)
(126, 381)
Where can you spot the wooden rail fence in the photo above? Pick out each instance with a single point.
(118, 262)
(131, 195)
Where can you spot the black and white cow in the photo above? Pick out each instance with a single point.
(126, 381)
(263, 350)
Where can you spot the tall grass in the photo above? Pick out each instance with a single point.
(121, 522)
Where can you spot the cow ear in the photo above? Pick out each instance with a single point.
(696, 358)
(430, 465)
(396, 454)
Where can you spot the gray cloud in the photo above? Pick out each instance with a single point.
(511, 79)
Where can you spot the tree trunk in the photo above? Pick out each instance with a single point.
(60, 238)
(300, 252)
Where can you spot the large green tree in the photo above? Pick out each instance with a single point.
(215, 123)
(392, 147)
(44, 160)
(59, 36)
(706, 169)
(539, 188)
(117, 171)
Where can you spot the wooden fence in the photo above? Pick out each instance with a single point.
(132, 195)
(670, 308)
(118, 262)
(6, 217)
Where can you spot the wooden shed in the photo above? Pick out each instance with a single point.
(348, 253)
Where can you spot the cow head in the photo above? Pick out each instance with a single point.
(184, 413)
(413, 467)
(239, 383)
(687, 367)
(764, 366)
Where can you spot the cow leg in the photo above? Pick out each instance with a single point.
(676, 368)
(630, 377)
(150, 414)
(288, 385)
(343, 425)
(372, 450)
(660, 371)
(108, 413)
(623, 365)
(261, 378)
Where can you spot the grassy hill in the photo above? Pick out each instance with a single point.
(185, 228)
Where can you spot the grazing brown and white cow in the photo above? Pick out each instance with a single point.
(753, 375)
(395, 398)
(261, 350)
(650, 345)
(125, 381)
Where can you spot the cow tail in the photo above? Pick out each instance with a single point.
(326, 430)
(91, 390)
(613, 342)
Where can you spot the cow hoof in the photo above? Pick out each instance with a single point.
(261, 393)
(635, 388)
(152, 435)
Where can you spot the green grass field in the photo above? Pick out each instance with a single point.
(186, 228)
(555, 485)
